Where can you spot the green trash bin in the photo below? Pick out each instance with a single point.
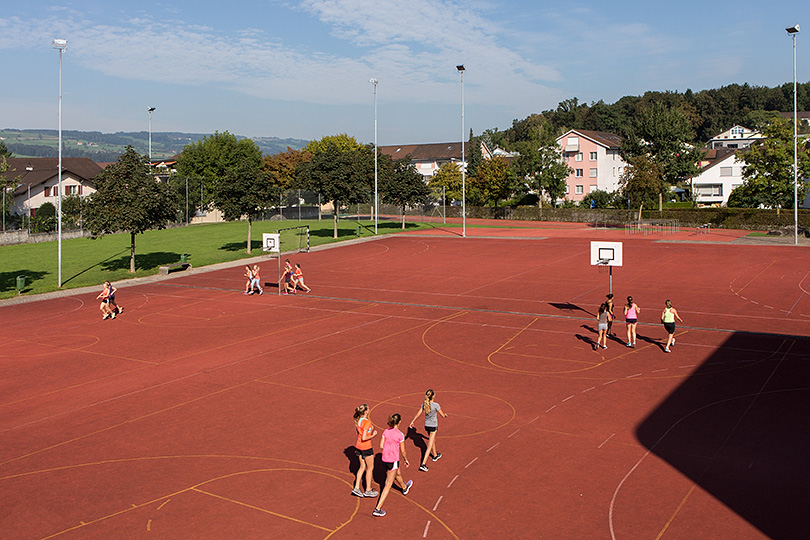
(20, 284)
(184, 258)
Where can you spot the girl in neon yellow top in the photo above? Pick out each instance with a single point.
(668, 317)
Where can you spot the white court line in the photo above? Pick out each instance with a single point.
(510, 436)
(493, 447)
(427, 526)
(686, 367)
(566, 399)
(660, 370)
(609, 382)
(636, 375)
(547, 410)
(453, 480)
(470, 463)
(605, 442)
(435, 506)
(533, 419)
(588, 389)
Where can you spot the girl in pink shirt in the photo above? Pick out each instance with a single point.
(631, 311)
(393, 445)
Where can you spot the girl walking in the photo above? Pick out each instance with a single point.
(298, 278)
(431, 410)
(249, 279)
(609, 304)
(364, 451)
(668, 317)
(255, 282)
(603, 320)
(631, 312)
(393, 445)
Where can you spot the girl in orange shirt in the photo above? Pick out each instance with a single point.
(364, 451)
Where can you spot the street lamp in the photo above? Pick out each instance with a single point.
(376, 201)
(150, 110)
(461, 70)
(793, 30)
(60, 44)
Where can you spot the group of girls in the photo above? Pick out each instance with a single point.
(605, 318)
(254, 280)
(292, 279)
(109, 309)
(392, 446)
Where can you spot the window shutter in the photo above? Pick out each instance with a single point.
(47, 192)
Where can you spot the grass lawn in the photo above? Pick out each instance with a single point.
(91, 262)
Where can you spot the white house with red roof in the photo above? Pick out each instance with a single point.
(594, 160)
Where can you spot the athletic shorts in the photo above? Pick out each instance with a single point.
(670, 327)
(631, 321)
(602, 326)
(364, 453)
(431, 429)
(105, 301)
(391, 466)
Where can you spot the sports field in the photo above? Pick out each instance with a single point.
(203, 413)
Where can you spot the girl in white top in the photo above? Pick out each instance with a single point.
(431, 410)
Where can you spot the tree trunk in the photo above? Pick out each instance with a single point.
(131, 253)
(660, 203)
(540, 204)
(250, 227)
(403, 218)
(335, 219)
(638, 221)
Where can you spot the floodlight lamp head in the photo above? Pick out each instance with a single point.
(150, 109)
(793, 29)
(372, 80)
(60, 44)
(460, 67)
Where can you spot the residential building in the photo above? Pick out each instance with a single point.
(735, 137)
(594, 160)
(37, 180)
(428, 158)
(720, 173)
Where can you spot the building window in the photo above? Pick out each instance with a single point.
(567, 189)
(592, 173)
(579, 156)
(593, 156)
(579, 189)
(71, 190)
(593, 188)
(725, 171)
(573, 141)
(580, 173)
(47, 192)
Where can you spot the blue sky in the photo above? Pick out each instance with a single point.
(300, 68)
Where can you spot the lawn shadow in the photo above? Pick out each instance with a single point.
(143, 261)
(100, 263)
(241, 246)
(8, 280)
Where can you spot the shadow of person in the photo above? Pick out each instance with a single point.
(380, 471)
(419, 440)
(354, 461)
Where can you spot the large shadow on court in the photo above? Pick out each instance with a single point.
(739, 428)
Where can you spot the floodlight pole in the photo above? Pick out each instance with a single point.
(461, 70)
(150, 110)
(61, 45)
(376, 200)
(793, 30)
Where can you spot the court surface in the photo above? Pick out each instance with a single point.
(204, 413)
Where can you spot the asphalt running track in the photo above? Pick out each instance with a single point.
(203, 413)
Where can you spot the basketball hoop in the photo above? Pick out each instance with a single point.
(603, 265)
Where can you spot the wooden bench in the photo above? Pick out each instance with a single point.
(166, 269)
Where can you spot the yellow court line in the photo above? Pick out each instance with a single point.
(508, 341)
(755, 277)
(725, 441)
(261, 510)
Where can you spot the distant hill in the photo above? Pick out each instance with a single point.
(107, 147)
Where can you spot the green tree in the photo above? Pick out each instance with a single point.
(129, 199)
(541, 165)
(72, 209)
(206, 163)
(495, 180)
(45, 218)
(641, 182)
(340, 169)
(448, 177)
(402, 184)
(768, 169)
(4, 152)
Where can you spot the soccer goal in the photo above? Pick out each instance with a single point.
(295, 236)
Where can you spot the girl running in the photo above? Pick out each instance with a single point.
(298, 278)
(249, 276)
(364, 451)
(631, 311)
(285, 283)
(431, 410)
(104, 296)
(255, 282)
(603, 317)
(609, 304)
(668, 317)
(115, 308)
(393, 445)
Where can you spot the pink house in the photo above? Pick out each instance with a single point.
(594, 160)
